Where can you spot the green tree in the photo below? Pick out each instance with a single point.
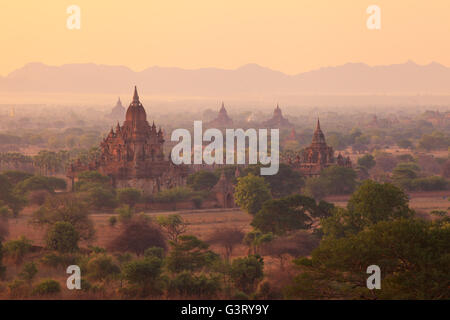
(371, 203)
(174, 226)
(102, 267)
(412, 254)
(63, 237)
(285, 182)
(66, 208)
(191, 254)
(185, 284)
(332, 181)
(34, 183)
(255, 239)
(47, 287)
(15, 176)
(125, 213)
(29, 271)
(146, 274)
(367, 161)
(251, 192)
(87, 178)
(129, 196)
(202, 180)
(247, 272)
(17, 249)
(16, 202)
(287, 214)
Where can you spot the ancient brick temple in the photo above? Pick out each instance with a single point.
(132, 155)
(222, 120)
(317, 156)
(277, 120)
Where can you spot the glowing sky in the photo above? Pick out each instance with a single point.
(287, 35)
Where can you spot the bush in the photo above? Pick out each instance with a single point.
(434, 183)
(186, 284)
(125, 213)
(145, 274)
(112, 221)
(54, 260)
(63, 237)
(18, 289)
(173, 195)
(29, 271)
(47, 287)
(247, 272)
(102, 267)
(155, 252)
(17, 249)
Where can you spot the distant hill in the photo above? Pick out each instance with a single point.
(251, 79)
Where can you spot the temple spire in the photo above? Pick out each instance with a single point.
(318, 124)
(135, 95)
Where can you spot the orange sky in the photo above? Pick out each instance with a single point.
(287, 35)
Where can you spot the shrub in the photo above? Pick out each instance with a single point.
(47, 287)
(188, 285)
(102, 267)
(112, 221)
(125, 213)
(17, 249)
(18, 289)
(156, 252)
(29, 271)
(145, 274)
(63, 237)
(54, 260)
(247, 272)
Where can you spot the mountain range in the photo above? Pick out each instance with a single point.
(250, 79)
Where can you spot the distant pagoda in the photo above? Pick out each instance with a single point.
(277, 120)
(118, 112)
(318, 156)
(222, 119)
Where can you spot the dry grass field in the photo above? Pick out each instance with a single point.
(202, 223)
